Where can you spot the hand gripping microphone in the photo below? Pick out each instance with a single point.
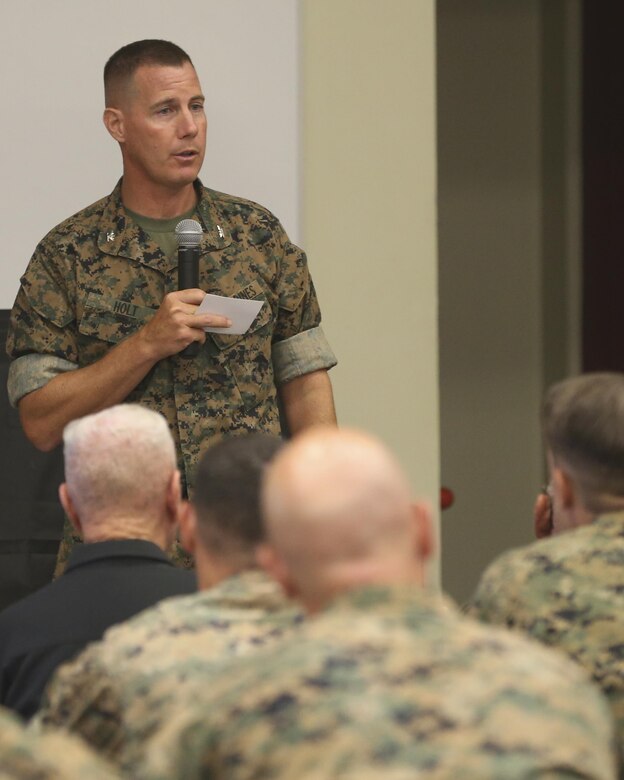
(188, 234)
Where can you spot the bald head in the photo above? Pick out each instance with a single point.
(338, 514)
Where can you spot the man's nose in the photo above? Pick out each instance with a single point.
(188, 124)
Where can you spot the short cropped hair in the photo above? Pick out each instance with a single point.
(118, 461)
(583, 425)
(123, 64)
(227, 493)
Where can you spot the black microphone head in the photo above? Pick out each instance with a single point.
(188, 232)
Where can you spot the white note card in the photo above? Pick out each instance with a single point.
(240, 311)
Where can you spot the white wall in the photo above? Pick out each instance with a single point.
(56, 156)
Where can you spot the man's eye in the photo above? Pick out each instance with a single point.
(197, 106)
(164, 110)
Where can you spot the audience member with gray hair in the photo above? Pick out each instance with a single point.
(122, 494)
(384, 679)
(567, 591)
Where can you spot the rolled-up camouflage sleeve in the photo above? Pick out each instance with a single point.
(301, 354)
(42, 337)
(299, 344)
(31, 372)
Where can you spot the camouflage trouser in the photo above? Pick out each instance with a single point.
(70, 538)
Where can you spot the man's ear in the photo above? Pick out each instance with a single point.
(114, 122)
(563, 487)
(269, 560)
(188, 527)
(543, 516)
(173, 497)
(423, 530)
(69, 508)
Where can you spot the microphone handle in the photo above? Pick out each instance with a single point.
(188, 277)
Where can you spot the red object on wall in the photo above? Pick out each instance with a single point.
(447, 498)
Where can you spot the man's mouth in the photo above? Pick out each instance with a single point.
(188, 153)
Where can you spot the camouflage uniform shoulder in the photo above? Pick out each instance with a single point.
(591, 553)
(236, 203)
(118, 691)
(245, 611)
(249, 596)
(85, 221)
(243, 210)
(171, 614)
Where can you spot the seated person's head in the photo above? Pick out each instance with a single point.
(222, 526)
(583, 425)
(121, 479)
(339, 514)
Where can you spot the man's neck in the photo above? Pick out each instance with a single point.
(158, 203)
(212, 569)
(120, 529)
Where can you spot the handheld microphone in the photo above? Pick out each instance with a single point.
(188, 234)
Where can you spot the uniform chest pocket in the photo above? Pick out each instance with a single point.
(112, 320)
(247, 357)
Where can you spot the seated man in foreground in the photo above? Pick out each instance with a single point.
(117, 692)
(384, 679)
(122, 493)
(568, 591)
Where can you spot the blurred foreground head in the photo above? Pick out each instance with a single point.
(339, 515)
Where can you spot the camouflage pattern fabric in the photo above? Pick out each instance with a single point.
(390, 683)
(568, 592)
(25, 755)
(97, 278)
(117, 692)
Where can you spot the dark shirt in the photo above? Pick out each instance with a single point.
(104, 583)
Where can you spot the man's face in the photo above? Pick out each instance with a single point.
(164, 126)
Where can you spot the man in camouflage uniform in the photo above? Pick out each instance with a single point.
(98, 319)
(568, 591)
(384, 679)
(117, 693)
(25, 755)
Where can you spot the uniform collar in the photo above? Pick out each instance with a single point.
(249, 589)
(84, 554)
(120, 236)
(393, 599)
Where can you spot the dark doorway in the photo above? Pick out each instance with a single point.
(603, 186)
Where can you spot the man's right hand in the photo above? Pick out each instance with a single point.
(175, 324)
